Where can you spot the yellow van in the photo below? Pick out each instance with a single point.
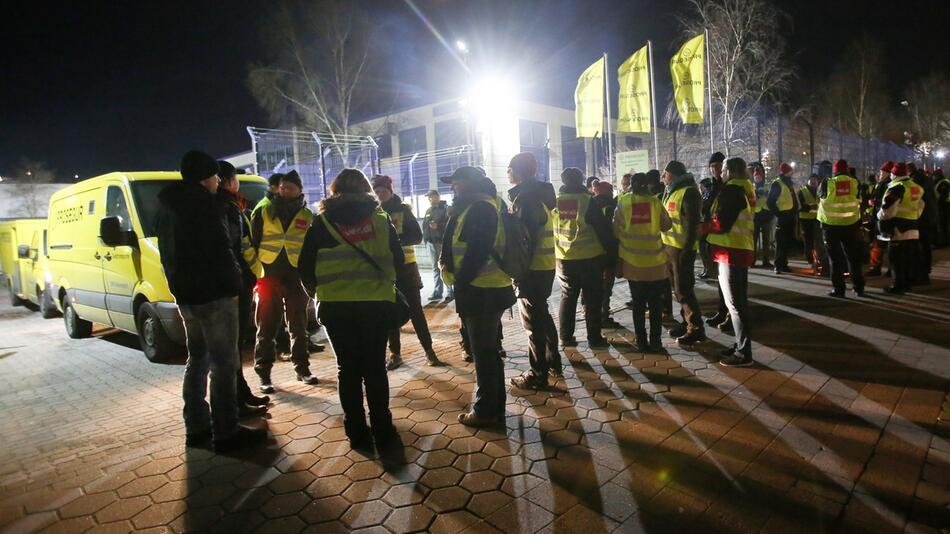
(104, 260)
(24, 262)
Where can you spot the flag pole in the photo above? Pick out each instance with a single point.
(610, 148)
(712, 145)
(656, 141)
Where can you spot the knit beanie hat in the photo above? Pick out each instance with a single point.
(197, 166)
(524, 165)
(886, 167)
(675, 168)
(382, 181)
(899, 169)
(226, 171)
(572, 175)
(717, 157)
(604, 188)
(293, 178)
(840, 167)
(785, 168)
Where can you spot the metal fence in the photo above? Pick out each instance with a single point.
(415, 174)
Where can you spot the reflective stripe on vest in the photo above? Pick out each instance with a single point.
(574, 239)
(343, 275)
(639, 232)
(841, 206)
(810, 202)
(274, 239)
(408, 251)
(676, 235)
(784, 202)
(490, 274)
(740, 236)
(909, 207)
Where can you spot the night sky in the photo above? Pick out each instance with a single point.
(105, 86)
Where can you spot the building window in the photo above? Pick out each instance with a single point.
(413, 175)
(534, 139)
(572, 149)
(384, 144)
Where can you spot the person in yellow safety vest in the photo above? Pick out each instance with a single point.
(764, 219)
(532, 203)
(839, 212)
(900, 224)
(277, 232)
(808, 218)
(607, 203)
(942, 190)
(408, 278)
(582, 239)
(239, 229)
(638, 222)
(350, 258)
(730, 233)
(783, 203)
(473, 237)
(683, 204)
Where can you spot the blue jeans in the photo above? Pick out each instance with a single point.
(489, 396)
(211, 334)
(435, 250)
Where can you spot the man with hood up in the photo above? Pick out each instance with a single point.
(408, 279)
(203, 274)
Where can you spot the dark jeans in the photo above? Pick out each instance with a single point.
(533, 294)
(246, 329)
(808, 236)
(418, 317)
(608, 292)
(211, 334)
(275, 297)
(489, 396)
(734, 284)
(680, 269)
(902, 256)
(435, 250)
(784, 236)
(648, 295)
(762, 237)
(357, 332)
(467, 345)
(845, 251)
(581, 278)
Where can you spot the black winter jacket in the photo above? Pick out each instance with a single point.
(528, 200)
(238, 230)
(195, 245)
(439, 216)
(408, 275)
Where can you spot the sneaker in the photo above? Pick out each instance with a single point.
(836, 294)
(767, 265)
(728, 351)
(529, 380)
(308, 379)
(432, 359)
(258, 401)
(395, 360)
(387, 439)
(736, 360)
(611, 323)
(598, 343)
(628, 304)
(242, 439)
(656, 346)
(470, 419)
(199, 440)
(468, 358)
(246, 410)
(315, 347)
(696, 336)
(716, 320)
(678, 331)
(704, 275)
(266, 385)
(572, 342)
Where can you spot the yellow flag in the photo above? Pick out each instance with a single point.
(589, 101)
(688, 84)
(634, 102)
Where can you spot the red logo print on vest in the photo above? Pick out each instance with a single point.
(671, 207)
(361, 231)
(843, 189)
(640, 213)
(567, 208)
(915, 193)
(300, 224)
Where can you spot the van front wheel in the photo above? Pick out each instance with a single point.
(156, 344)
(76, 327)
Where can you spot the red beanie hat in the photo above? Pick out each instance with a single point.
(899, 169)
(381, 180)
(785, 168)
(840, 167)
(887, 166)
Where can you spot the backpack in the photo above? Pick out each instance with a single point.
(515, 259)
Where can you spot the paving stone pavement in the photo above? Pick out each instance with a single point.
(843, 424)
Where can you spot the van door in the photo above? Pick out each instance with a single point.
(29, 276)
(121, 267)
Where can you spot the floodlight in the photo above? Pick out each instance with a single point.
(461, 46)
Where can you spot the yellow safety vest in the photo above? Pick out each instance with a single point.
(275, 239)
(740, 236)
(785, 201)
(841, 206)
(573, 238)
(909, 207)
(761, 198)
(676, 235)
(640, 242)
(490, 275)
(249, 252)
(542, 258)
(343, 275)
(810, 202)
(409, 251)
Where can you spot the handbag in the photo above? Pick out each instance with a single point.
(400, 308)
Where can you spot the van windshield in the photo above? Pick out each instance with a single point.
(145, 196)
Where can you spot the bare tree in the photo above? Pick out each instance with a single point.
(928, 102)
(29, 176)
(855, 95)
(747, 61)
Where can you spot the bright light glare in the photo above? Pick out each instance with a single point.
(793, 164)
(462, 46)
(941, 154)
(491, 95)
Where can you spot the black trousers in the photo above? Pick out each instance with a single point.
(845, 252)
(709, 266)
(680, 270)
(648, 296)
(581, 279)
(488, 399)
(808, 236)
(467, 345)
(902, 255)
(784, 236)
(533, 294)
(418, 318)
(357, 332)
(762, 235)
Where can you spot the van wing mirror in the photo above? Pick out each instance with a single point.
(23, 251)
(112, 234)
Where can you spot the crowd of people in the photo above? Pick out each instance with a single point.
(238, 273)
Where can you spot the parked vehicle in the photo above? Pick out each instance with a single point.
(104, 258)
(24, 262)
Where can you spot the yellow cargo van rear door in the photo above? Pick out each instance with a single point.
(121, 266)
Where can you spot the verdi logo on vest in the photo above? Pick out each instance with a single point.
(361, 231)
(567, 208)
(640, 213)
(671, 207)
(300, 223)
(915, 193)
(843, 188)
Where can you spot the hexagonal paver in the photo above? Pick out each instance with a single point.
(331, 466)
(466, 445)
(289, 482)
(122, 509)
(481, 481)
(142, 486)
(159, 514)
(325, 509)
(453, 522)
(366, 514)
(327, 486)
(448, 499)
(364, 470)
(436, 459)
(469, 463)
(428, 428)
(441, 477)
(366, 490)
(485, 504)
(284, 505)
(413, 518)
(405, 494)
(87, 504)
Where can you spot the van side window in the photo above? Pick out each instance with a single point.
(116, 206)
